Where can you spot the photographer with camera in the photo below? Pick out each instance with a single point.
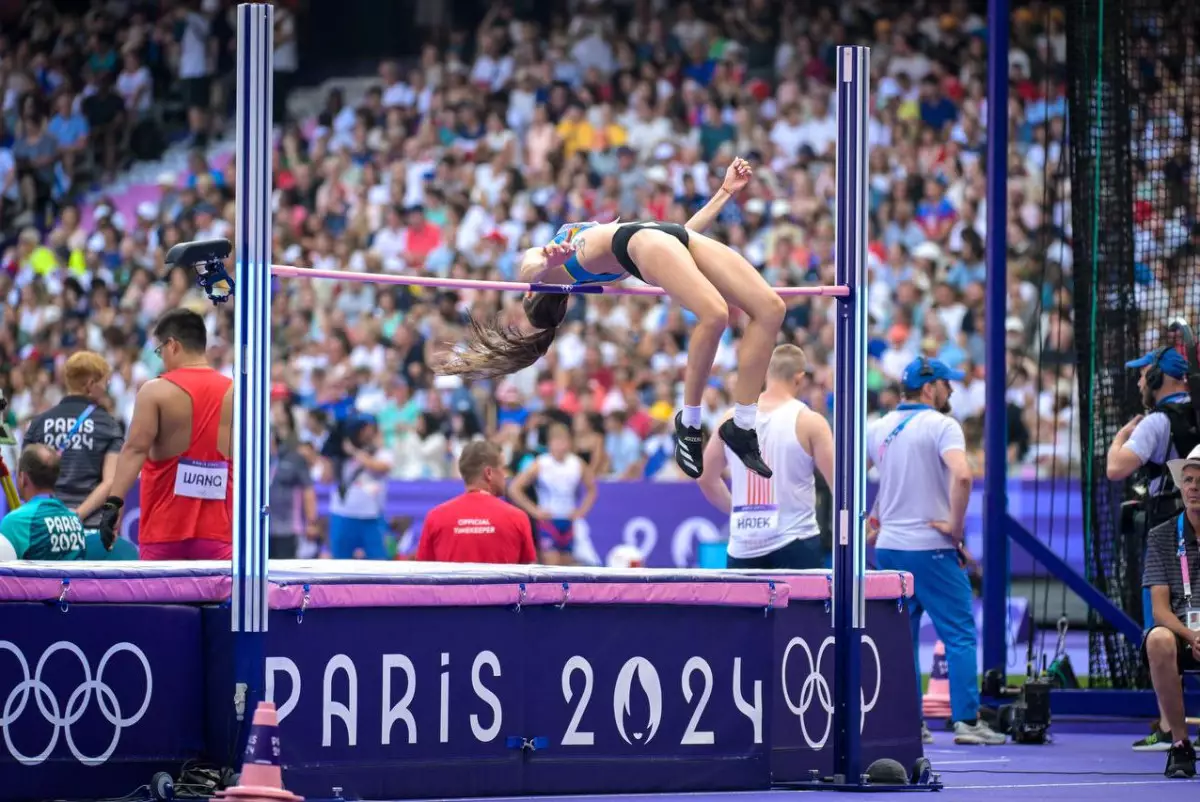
(1167, 431)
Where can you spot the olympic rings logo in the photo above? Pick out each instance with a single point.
(816, 685)
(77, 703)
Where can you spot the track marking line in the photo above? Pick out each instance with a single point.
(1163, 781)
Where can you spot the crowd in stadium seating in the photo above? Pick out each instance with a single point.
(452, 164)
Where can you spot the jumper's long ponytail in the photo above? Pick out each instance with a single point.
(495, 349)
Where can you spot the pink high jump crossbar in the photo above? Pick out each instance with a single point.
(516, 286)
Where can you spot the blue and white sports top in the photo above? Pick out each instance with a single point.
(575, 270)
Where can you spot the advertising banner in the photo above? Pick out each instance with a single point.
(667, 521)
(96, 699)
(428, 702)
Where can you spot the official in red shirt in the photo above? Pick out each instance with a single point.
(478, 526)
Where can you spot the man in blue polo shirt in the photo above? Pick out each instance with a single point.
(42, 528)
(924, 485)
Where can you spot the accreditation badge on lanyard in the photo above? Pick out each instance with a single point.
(1193, 612)
(887, 441)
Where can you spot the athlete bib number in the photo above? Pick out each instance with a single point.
(203, 480)
(754, 520)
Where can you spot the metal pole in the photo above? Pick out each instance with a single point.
(995, 499)
(850, 409)
(252, 332)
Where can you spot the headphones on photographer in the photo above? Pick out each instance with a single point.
(1154, 374)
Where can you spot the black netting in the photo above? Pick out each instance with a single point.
(1133, 85)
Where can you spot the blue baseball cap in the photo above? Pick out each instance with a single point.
(922, 371)
(1171, 363)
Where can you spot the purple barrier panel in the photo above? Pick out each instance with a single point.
(98, 698)
(675, 696)
(1019, 626)
(667, 521)
(387, 703)
(437, 702)
(802, 705)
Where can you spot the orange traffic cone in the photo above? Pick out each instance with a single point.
(936, 703)
(262, 777)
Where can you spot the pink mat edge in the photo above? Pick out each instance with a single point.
(216, 589)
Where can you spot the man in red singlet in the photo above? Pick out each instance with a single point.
(180, 441)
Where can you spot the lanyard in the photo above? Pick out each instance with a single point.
(895, 432)
(1181, 550)
(83, 416)
(1171, 399)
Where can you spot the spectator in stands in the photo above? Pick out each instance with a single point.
(292, 497)
(566, 492)
(356, 523)
(70, 130)
(37, 157)
(478, 526)
(192, 25)
(105, 113)
(1172, 644)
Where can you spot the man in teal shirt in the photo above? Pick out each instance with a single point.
(42, 528)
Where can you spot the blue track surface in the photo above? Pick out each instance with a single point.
(1076, 767)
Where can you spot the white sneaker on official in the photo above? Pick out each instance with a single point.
(926, 735)
(977, 734)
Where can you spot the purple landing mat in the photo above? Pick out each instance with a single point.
(1077, 767)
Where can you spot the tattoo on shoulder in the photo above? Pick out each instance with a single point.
(580, 243)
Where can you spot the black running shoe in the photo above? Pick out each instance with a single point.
(1181, 762)
(689, 448)
(744, 444)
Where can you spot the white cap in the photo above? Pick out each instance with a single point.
(1177, 465)
(657, 174)
(928, 250)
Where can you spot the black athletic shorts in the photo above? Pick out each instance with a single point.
(1183, 653)
(620, 242)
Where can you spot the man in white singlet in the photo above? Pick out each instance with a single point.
(773, 522)
(924, 487)
(559, 475)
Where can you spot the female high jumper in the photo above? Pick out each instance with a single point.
(701, 274)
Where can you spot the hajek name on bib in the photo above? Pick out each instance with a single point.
(753, 523)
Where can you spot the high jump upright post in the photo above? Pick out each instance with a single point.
(850, 410)
(995, 444)
(252, 355)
